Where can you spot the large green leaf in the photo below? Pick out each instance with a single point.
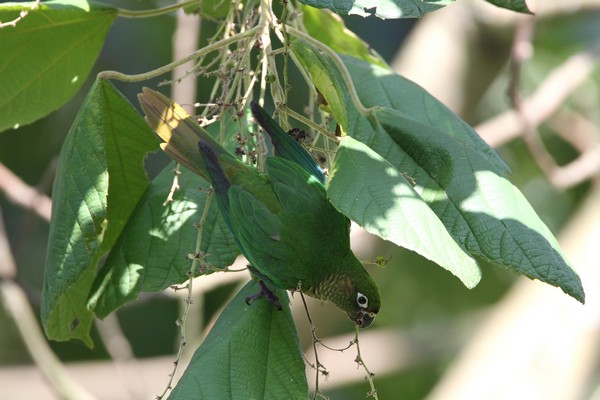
(384, 9)
(482, 210)
(150, 254)
(47, 56)
(456, 173)
(376, 194)
(252, 352)
(99, 180)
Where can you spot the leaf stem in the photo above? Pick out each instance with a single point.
(167, 68)
(339, 64)
(14, 300)
(153, 12)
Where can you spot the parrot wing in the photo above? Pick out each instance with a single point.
(304, 200)
(258, 230)
(285, 146)
(296, 243)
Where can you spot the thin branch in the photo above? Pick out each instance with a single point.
(154, 12)
(174, 186)
(522, 50)
(312, 124)
(319, 368)
(549, 97)
(181, 322)
(359, 360)
(22, 15)
(167, 68)
(17, 306)
(20, 193)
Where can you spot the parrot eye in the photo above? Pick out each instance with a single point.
(362, 300)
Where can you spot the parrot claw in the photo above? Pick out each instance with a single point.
(267, 294)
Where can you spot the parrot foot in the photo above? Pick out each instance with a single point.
(267, 294)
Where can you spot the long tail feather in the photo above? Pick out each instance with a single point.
(177, 129)
(285, 146)
(213, 168)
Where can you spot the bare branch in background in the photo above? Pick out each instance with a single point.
(547, 99)
(537, 344)
(17, 306)
(22, 15)
(583, 135)
(588, 163)
(522, 51)
(20, 193)
(124, 362)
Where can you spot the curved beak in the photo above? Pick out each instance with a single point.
(363, 318)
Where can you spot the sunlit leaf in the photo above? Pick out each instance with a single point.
(100, 179)
(151, 253)
(377, 195)
(47, 56)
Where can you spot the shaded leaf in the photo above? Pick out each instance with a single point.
(378, 86)
(252, 352)
(483, 211)
(100, 178)
(392, 9)
(151, 253)
(382, 87)
(47, 56)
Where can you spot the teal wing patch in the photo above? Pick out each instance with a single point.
(304, 201)
(285, 146)
(296, 188)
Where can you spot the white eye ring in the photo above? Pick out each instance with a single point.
(362, 300)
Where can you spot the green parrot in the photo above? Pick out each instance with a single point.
(281, 219)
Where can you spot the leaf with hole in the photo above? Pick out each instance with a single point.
(99, 180)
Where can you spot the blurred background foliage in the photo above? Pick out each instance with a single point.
(430, 309)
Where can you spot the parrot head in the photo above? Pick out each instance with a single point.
(365, 306)
(353, 291)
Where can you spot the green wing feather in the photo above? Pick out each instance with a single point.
(283, 245)
(284, 145)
